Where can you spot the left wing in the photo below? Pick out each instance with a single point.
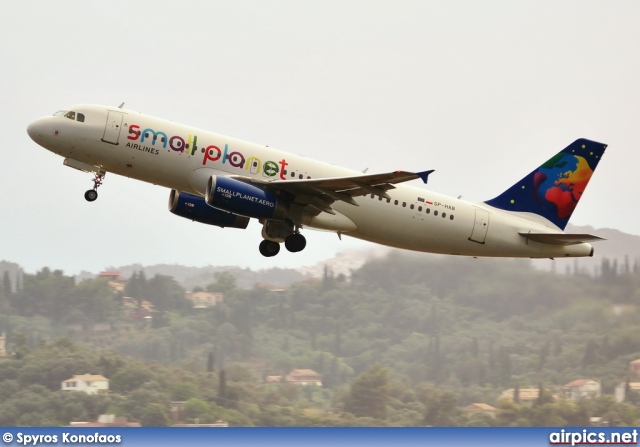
(321, 193)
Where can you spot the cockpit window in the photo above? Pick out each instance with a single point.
(71, 115)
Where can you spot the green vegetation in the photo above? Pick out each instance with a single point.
(409, 340)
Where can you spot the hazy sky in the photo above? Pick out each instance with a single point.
(482, 92)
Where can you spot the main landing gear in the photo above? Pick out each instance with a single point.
(92, 194)
(294, 243)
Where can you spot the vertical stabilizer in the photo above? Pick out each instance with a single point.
(554, 189)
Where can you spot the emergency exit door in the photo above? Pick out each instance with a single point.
(480, 226)
(112, 127)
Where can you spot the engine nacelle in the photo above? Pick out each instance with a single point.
(195, 208)
(242, 198)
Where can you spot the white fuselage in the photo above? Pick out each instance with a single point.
(184, 158)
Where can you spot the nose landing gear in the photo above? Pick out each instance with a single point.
(92, 194)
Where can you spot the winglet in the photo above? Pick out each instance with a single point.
(424, 175)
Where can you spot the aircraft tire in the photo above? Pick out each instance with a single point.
(269, 248)
(91, 195)
(295, 242)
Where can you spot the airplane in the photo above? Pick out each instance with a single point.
(225, 182)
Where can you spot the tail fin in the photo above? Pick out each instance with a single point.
(554, 189)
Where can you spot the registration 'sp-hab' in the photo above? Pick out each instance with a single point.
(222, 181)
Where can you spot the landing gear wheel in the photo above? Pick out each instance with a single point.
(295, 242)
(269, 248)
(91, 195)
(98, 178)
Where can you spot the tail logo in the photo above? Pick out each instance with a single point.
(561, 181)
(554, 189)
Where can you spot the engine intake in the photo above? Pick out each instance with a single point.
(195, 208)
(242, 198)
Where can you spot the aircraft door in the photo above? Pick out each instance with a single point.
(480, 226)
(112, 127)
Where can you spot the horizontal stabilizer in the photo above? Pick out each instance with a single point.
(561, 238)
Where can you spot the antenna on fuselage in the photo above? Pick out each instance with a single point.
(120, 106)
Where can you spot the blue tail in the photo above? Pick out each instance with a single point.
(554, 189)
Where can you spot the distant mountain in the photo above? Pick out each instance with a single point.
(621, 247)
(617, 244)
(190, 277)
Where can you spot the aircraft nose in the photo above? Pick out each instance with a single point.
(33, 130)
(36, 130)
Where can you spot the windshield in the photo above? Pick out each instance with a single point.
(70, 114)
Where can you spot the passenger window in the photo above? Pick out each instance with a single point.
(80, 117)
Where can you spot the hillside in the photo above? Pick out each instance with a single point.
(468, 328)
(618, 247)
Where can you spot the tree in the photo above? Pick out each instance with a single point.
(441, 409)
(183, 391)
(368, 395)
(130, 377)
(166, 294)
(197, 409)
(94, 299)
(544, 396)
(137, 287)
(225, 283)
(5, 291)
(154, 416)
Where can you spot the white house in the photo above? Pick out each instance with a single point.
(203, 300)
(88, 383)
(620, 392)
(298, 377)
(581, 389)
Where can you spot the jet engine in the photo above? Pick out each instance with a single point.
(242, 198)
(195, 208)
